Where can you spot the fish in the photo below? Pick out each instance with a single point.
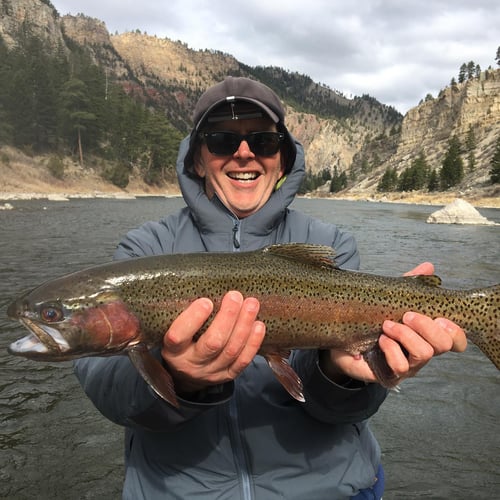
(306, 301)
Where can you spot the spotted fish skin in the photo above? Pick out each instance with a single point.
(306, 303)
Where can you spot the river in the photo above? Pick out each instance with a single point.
(439, 435)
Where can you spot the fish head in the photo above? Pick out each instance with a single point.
(65, 325)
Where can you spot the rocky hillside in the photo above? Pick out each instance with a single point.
(469, 109)
(337, 132)
(171, 75)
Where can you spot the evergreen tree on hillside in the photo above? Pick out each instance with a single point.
(452, 171)
(497, 57)
(31, 83)
(495, 164)
(433, 182)
(470, 146)
(389, 180)
(471, 68)
(416, 176)
(78, 117)
(462, 73)
(338, 181)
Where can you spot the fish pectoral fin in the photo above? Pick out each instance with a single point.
(278, 362)
(378, 364)
(154, 373)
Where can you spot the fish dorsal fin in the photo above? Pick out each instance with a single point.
(426, 280)
(316, 255)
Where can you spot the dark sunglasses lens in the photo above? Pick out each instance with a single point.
(222, 143)
(264, 143)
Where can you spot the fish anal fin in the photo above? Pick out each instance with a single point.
(378, 364)
(316, 255)
(154, 373)
(278, 362)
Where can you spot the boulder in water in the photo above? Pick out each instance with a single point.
(458, 212)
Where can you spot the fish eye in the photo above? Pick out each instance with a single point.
(51, 313)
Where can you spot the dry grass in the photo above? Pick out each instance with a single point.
(24, 177)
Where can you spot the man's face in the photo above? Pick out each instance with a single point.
(243, 181)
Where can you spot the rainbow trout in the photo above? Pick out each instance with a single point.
(125, 307)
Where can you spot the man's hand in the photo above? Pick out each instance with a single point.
(222, 352)
(408, 346)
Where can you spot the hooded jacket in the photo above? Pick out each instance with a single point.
(246, 439)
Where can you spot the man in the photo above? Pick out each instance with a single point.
(238, 433)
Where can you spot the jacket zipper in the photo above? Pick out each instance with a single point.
(242, 468)
(236, 235)
(240, 460)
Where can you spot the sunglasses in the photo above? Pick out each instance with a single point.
(227, 143)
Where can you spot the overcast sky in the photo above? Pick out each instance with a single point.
(397, 51)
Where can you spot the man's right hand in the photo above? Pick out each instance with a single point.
(222, 352)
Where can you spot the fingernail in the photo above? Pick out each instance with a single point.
(409, 317)
(388, 325)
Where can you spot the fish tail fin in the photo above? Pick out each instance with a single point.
(378, 364)
(278, 362)
(486, 336)
(153, 373)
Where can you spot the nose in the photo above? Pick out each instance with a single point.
(244, 151)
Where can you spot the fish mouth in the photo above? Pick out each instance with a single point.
(43, 340)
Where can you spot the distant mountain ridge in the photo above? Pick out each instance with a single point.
(338, 133)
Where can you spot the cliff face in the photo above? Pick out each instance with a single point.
(472, 107)
(41, 18)
(474, 104)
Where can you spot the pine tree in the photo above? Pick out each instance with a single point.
(338, 181)
(462, 73)
(452, 171)
(389, 180)
(433, 182)
(76, 111)
(495, 164)
(471, 67)
(470, 146)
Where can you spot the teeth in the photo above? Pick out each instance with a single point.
(244, 176)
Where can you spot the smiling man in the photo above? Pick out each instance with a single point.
(237, 433)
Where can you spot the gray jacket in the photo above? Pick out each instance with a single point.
(247, 439)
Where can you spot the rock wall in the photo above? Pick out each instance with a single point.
(42, 19)
(429, 126)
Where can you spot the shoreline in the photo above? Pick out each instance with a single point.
(437, 200)
(27, 178)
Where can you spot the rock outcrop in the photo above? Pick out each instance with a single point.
(40, 17)
(458, 212)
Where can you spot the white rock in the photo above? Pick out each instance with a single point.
(6, 206)
(458, 212)
(57, 197)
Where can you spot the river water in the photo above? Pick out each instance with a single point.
(440, 434)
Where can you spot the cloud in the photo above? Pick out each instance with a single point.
(396, 51)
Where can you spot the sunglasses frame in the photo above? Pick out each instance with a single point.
(251, 139)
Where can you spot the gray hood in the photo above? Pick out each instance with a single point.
(206, 212)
